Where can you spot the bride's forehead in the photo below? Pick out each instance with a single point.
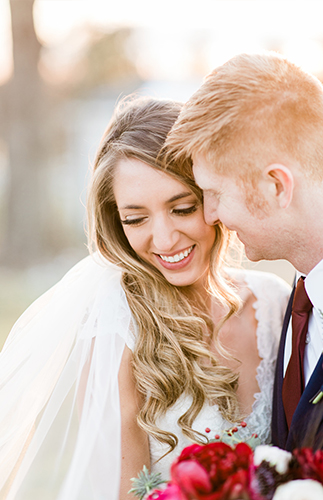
(135, 176)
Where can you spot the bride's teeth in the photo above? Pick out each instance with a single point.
(177, 258)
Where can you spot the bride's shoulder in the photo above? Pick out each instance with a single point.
(264, 286)
(264, 298)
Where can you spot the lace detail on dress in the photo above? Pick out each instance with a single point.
(271, 295)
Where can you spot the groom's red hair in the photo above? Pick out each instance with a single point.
(252, 111)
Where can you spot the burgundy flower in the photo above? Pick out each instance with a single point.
(237, 486)
(309, 464)
(214, 471)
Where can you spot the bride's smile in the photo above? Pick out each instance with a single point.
(163, 222)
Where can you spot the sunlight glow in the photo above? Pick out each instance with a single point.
(306, 53)
(180, 37)
(5, 42)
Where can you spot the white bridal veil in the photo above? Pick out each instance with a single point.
(59, 399)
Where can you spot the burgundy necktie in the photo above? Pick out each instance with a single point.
(293, 384)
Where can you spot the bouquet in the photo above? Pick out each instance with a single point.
(219, 471)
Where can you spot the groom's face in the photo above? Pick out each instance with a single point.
(225, 200)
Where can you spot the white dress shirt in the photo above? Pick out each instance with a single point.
(314, 339)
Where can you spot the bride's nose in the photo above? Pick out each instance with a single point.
(165, 234)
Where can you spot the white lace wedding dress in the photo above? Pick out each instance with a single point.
(271, 300)
(60, 429)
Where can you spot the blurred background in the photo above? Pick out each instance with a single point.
(63, 66)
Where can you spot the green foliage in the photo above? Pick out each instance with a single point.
(145, 482)
(232, 437)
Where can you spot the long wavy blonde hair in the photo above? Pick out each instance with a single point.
(171, 355)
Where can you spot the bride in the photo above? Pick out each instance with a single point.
(146, 345)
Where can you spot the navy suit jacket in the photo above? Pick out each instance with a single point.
(307, 424)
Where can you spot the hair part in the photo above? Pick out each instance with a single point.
(170, 342)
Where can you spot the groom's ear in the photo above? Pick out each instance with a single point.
(281, 183)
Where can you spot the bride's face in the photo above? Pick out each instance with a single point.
(163, 222)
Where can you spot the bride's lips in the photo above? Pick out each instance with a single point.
(180, 264)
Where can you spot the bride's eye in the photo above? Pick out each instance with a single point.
(184, 211)
(132, 221)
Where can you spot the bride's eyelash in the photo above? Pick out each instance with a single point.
(176, 211)
(131, 222)
(185, 211)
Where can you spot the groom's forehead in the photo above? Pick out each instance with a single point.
(208, 179)
(203, 172)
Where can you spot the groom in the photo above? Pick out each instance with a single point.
(253, 134)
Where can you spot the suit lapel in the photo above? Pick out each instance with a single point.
(279, 427)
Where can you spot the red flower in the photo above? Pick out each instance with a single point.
(236, 486)
(309, 464)
(214, 471)
(191, 477)
(171, 492)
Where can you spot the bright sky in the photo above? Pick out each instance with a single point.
(171, 28)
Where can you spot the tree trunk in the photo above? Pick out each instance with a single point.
(25, 111)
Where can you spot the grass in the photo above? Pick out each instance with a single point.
(16, 294)
(18, 289)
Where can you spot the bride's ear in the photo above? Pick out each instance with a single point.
(281, 183)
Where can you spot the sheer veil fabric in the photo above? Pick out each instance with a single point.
(59, 399)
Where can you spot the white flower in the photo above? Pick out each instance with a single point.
(300, 489)
(274, 456)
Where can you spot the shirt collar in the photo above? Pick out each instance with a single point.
(314, 286)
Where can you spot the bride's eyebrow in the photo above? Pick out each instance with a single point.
(171, 200)
(131, 207)
(180, 196)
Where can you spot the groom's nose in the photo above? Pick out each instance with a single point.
(210, 210)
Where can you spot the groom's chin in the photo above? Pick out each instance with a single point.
(253, 254)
